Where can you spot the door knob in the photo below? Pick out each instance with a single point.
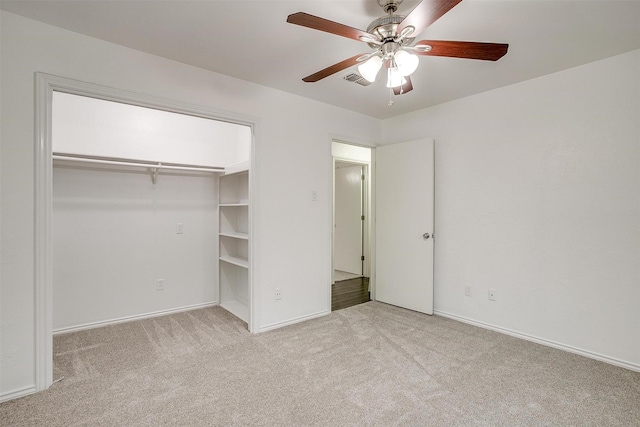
(426, 236)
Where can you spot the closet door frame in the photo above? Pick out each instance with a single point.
(45, 85)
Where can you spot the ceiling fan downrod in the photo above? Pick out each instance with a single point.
(389, 6)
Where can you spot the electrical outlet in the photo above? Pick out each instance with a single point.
(160, 285)
(179, 228)
(314, 196)
(278, 293)
(467, 290)
(492, 294)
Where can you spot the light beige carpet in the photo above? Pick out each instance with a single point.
(370, 364)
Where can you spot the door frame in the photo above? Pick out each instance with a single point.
(45, 85)
(368, 207)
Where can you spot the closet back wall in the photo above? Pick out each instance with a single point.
(114, 235)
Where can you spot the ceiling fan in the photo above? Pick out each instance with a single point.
(391, 37)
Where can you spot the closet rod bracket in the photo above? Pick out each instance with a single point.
(154, 173)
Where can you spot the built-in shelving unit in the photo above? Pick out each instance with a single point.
(234, 240)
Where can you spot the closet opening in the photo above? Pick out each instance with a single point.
(155, 173)
(150, 213)
(351, 260)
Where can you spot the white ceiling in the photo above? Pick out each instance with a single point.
(251, 40)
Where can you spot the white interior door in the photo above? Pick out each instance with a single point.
(348, 222)
(404, 225)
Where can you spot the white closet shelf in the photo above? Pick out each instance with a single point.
(235, 235)
(152, 166)
(236, 308)
(240, 262)
(237, 167)
(223, 205)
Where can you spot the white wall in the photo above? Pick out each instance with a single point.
(351, 153)
(347, 243)
(243, 145)
(114, 234)
(538, 196)
(90, 126)
(290, 131)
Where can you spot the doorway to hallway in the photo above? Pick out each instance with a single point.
(351, 194)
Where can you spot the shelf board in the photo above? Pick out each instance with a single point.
(235, 235)
(237, 168)
(240, 262)
(233, 204)
(238, 309)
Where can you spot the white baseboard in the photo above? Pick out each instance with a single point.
(548, 343)
(277, 325)
(14, 394)
(102, 323)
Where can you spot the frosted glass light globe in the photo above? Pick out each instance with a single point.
(407, 62)
(369, 69)
(394, 78)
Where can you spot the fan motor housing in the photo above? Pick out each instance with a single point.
(386, 29)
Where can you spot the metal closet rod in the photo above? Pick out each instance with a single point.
(153, 167)
(133, 162)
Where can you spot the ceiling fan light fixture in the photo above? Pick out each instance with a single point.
(407, 62)
(392, 38)
(369, 70)
(394, 78)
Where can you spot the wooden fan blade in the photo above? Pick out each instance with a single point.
(425, 14)
(401, 90)
(332, 69)
(468, 50)
(317, 23)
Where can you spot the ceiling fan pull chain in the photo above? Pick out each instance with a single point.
(390, 100)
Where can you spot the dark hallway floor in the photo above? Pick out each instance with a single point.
(349, 292)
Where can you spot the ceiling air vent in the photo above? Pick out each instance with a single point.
(357, 78)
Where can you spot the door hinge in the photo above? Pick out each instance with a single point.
(362, 258)
(362, 217)
(362, 177)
